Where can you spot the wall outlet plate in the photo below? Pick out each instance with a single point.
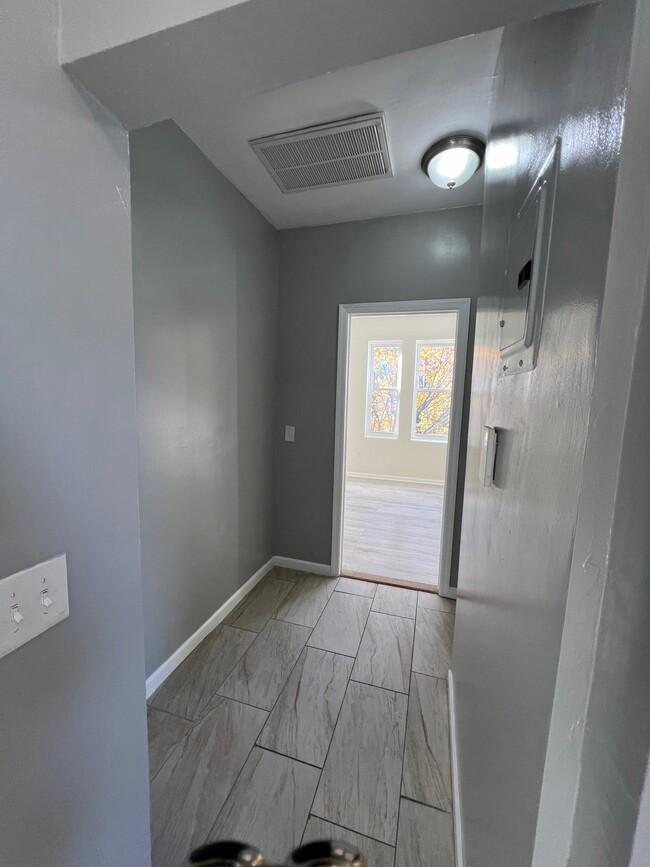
(31, 602)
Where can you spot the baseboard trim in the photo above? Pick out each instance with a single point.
(455, 778)
(402, 480)
(162, 673)
(303, 565)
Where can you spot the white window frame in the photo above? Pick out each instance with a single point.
(372, 345)
(428, 438)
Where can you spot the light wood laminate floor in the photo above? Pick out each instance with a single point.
(392, 530)
(270, 730)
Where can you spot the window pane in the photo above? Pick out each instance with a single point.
(385, 366)
(436, 366)
(383, 411)
(432, 413)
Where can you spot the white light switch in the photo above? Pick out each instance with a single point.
(31, 602)
(45, 599)
(289, 433)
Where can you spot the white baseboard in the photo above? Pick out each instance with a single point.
(402, 480)
(303, 565)
(455, 778)
(162, 673)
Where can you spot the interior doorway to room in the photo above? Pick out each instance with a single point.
(401, 377)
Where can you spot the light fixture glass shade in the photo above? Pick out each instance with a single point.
(452, 162)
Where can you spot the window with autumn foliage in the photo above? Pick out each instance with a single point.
(383, 394)
(434, 374)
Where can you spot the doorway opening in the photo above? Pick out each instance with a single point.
(401, 373)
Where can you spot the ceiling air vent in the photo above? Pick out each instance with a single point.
(328, 155)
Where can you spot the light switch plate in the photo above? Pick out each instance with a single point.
(289, 433)
(37, 598)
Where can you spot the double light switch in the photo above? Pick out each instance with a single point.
(31, 602)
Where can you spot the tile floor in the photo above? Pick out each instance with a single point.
(317, 709)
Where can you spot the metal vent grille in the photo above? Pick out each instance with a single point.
(342, 152)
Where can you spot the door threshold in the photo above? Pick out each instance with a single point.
(393, 582)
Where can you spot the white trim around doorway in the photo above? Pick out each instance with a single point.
(462, 307)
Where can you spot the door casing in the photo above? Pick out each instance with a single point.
(460, 306)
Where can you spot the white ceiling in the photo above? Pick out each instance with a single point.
(424, 94)
(264, 66)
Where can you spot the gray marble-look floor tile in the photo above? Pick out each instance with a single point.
(426, 837)
(260, 675)
(384, 657)
(436, 602)
(427, 771)
(189, 689)
(269, 804)
(395, 600)
(193, 784)
(285, 574)
(434, 634)
(341, 624)
(375, 854)
(260, 604)
(304, 605)
(356, 586)
(360, 783)
(164, 731)
(303, 719)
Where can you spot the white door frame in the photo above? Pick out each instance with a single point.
(461, 306)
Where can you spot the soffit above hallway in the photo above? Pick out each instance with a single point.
(266, 66)
(372, 28)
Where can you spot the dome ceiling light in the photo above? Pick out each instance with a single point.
(452, 161)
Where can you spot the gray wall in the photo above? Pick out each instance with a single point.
(205, 293)
(599, 738)
(73, 763)
(561, 74)
(617, 723)
(414, 257)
